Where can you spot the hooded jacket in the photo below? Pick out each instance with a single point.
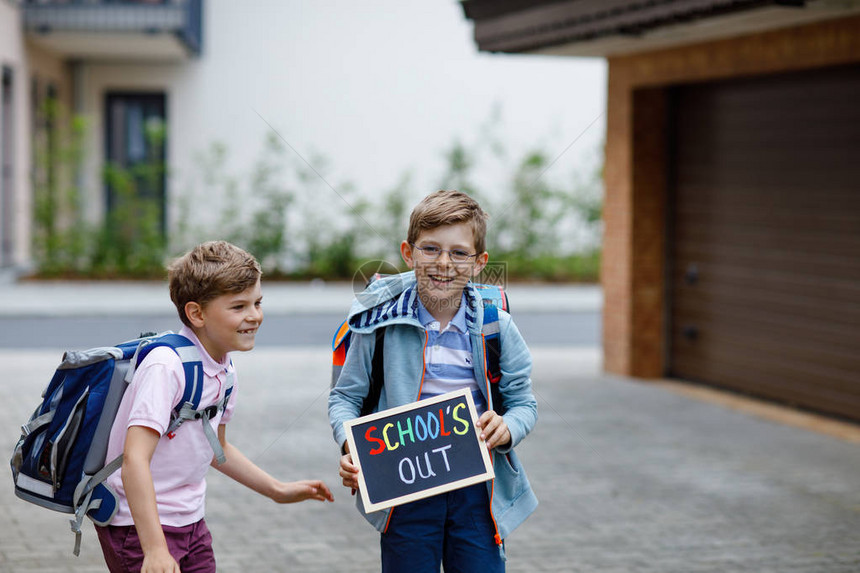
(392, 302)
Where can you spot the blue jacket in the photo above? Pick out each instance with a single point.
(392, 302)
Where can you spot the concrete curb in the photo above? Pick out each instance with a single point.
(90, 298)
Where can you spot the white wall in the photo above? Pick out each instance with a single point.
(12, 55)
(379, 88)
(28, 63)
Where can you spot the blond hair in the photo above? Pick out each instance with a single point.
(208, 271)
(448, 208)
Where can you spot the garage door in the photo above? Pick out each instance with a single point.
(764, 250)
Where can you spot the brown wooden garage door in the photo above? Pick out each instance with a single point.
(764, 250)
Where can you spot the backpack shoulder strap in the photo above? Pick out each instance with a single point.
(377, 374)
(492, 354)
(192, 363)
(340, 346)
(189, 406)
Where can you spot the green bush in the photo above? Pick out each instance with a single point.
(298, 225)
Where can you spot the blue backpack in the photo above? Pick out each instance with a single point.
(59, 461)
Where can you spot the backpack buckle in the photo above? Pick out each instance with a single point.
(209, 412)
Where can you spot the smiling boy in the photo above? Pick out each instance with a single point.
(161, 486)
(432, 317)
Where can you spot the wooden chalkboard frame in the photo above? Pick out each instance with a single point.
(486, 464)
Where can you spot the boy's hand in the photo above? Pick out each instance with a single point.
(249, 474)
(349, 472)
(297, 491)
(494, 430)
(159, 561)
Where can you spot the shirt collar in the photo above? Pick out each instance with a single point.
(458, 322)
(210, 366)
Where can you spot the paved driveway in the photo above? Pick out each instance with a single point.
(631, 476)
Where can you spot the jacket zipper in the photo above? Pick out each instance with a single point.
(420, 387)
(496, 537)
(423, 364)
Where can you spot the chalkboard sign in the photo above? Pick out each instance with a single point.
(418, 450)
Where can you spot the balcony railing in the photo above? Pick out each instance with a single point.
(182, 19)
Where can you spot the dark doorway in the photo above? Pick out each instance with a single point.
(136, 138)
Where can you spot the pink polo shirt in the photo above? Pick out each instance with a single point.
(179, 464)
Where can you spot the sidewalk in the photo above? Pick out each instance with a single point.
(632, 478)
(91, 298)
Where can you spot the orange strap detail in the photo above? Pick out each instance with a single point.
(338, 357)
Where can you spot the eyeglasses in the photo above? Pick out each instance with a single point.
(432, 253)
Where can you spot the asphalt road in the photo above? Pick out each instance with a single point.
(70, 333)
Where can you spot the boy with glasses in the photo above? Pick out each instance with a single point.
(434, 344)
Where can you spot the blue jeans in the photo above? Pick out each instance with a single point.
(453, 529)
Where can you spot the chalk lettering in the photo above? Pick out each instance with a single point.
(369, 438)
(431, 419)
(454, 415)
(419, 425)
(431, 427)
(411, 469)
(406, 432)
(385, 436)
(430, 472)
(444, 455)
(442, 423)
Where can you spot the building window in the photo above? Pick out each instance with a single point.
(136, 137)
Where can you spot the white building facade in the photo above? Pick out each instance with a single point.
(114, 64)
